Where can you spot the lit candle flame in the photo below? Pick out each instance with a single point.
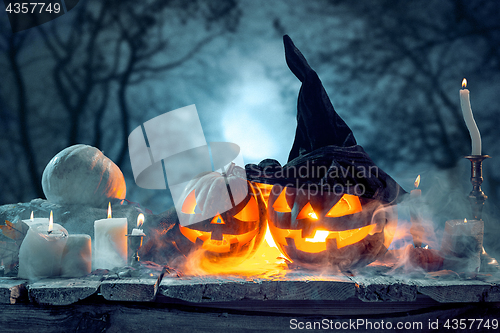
(465, 220)
(140, 220)
(417, 181)
(426, 247)
(109, 210)
(464, 83)
(51, 223)
(32, 216)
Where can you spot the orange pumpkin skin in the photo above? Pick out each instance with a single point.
(227, 236)
(343, 230)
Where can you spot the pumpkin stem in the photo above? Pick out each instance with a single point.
(230, 169)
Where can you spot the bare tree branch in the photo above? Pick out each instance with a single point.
(15, 46)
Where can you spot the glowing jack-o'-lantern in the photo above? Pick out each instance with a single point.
(337, 228)
(234, 233)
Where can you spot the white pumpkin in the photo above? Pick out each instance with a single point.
(81, 174)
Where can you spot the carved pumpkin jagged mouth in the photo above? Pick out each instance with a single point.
(317, 243)
(214, 245)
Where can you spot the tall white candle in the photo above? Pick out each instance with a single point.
(41, 251)
(77, 256)
(469, 119)
(417, 230)
(110, 242)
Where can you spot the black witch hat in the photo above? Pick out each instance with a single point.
(324, 153)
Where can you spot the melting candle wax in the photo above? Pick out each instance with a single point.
(110, 242)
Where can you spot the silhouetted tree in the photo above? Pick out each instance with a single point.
(72, 80)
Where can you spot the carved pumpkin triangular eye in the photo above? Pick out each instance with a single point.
(307, 213)
(250, 212)
(190, 206)
(347, 205)
(281, 205)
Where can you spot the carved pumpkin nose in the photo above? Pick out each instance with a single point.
(218, 220)
(217, 231)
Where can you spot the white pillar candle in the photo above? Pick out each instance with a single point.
(77, 256)
(469, 119)
(462, 245)
(110, 242)
(40, 252)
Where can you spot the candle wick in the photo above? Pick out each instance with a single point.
(49, 231)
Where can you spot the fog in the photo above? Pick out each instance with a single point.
(392, 70)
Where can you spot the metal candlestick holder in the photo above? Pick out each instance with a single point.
(477, 199)
(134, 244)
(477, 196)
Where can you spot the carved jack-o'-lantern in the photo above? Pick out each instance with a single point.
(328, 227)
(208, 223)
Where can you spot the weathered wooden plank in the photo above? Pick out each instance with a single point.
(95, 316)
(458, 290)
(207, 288)
(130, 289)
(316, 288)
(60, 291)
(139, 284)
(350, 306)
(492, 294)
(144, 285)
(232, 288)
(12, 290)
(118, 317)
(384, 288)
(447, 287)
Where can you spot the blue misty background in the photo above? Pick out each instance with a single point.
(392, 70)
